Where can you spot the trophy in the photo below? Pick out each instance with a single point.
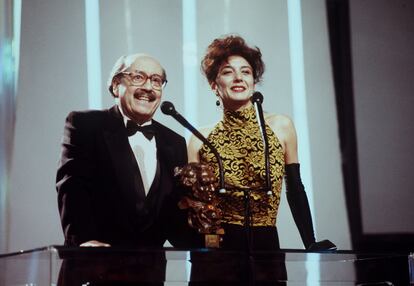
(201, 200)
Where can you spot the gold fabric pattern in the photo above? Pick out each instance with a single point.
(238, 140)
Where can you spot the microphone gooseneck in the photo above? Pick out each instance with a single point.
(257, 99)
(168, 109)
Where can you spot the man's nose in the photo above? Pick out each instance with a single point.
(147, 84)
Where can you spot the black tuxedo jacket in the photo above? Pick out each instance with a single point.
(100, 192)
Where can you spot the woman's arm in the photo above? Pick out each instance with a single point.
(295, 191)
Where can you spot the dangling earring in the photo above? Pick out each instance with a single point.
(218, 98)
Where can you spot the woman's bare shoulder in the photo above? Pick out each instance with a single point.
(279, 121)
(284, 130)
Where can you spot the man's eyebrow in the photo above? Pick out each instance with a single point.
(138, 71)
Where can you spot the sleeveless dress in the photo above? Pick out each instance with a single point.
(238, 140)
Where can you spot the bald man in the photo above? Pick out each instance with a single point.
(115, 178)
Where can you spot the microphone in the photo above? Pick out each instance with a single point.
(257, 99)
(168, 109)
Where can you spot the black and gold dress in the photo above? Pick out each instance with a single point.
(237, 139)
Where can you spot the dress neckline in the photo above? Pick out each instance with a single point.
(239, 117)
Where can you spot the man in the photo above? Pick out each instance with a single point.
(115, 179)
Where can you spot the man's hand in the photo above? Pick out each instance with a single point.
(94, 243)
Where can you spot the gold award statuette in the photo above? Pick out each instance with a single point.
(201, 200)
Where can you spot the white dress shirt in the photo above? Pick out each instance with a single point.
(145, 152)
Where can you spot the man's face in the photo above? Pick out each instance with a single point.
(140, 101)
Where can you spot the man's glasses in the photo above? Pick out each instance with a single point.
(140, 78)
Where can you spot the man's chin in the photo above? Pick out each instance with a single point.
(142, 116)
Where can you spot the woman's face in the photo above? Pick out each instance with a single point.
(234, 83)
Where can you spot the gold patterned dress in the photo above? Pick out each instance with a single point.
(237, 139)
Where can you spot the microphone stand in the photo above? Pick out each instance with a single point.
(257, 99)
(211, 240)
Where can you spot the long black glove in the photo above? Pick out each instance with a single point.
(299, 205)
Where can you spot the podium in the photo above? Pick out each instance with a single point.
(58, 265)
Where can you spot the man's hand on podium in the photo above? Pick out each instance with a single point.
(94, 243)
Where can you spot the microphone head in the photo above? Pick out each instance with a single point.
(257, 97)
(168, 108)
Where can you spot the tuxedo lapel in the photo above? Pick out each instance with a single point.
(125, 165)
(164, 149)
(165, 157)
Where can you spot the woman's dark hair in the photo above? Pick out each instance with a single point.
(231, 45)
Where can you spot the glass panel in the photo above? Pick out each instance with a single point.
(77, 266)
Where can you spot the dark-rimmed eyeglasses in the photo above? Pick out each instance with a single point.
(140, 78)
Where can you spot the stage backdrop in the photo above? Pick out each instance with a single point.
(67, 50)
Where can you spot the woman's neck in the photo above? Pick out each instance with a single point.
(237, 107)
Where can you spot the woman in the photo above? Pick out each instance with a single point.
(233, 69)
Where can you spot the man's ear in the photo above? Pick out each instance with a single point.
(115, 88)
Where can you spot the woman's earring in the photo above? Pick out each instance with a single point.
(218, 98)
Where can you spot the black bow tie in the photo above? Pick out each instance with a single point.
(147, 130)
